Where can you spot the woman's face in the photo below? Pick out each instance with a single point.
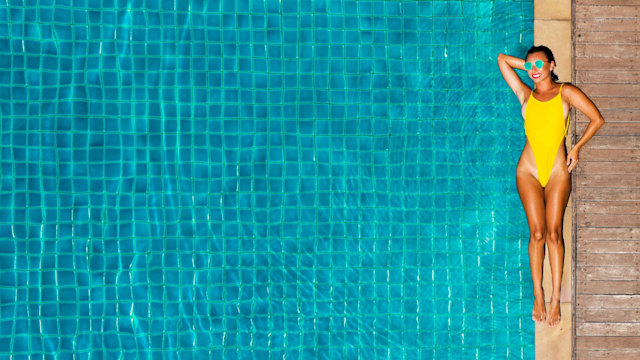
(539, 74)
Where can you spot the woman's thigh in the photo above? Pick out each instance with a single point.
(532, 197)
(556, 195)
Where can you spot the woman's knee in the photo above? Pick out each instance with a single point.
(554, 235)
(538, 235)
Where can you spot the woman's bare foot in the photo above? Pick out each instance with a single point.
(539, 310)
(554, 313)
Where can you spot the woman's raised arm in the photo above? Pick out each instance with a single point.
(507, 63)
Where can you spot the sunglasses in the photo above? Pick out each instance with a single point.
(538, 63)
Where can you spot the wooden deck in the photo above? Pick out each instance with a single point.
(606, 36)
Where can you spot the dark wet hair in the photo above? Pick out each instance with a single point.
(548, 53)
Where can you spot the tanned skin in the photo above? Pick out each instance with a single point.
(544, 207)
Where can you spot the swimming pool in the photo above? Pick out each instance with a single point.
(261, 179)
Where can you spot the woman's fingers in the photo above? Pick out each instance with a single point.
(572, 159)
(572, 164)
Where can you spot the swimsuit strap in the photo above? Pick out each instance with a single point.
(566, 129)
(559, 92)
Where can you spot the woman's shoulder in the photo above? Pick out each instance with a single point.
(569, 89)
(571, 92)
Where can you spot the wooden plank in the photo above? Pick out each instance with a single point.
(606, 194)
(609, 342)
(607, 76)
(626, 273)
(630, 259)
(611, 128)
(587, 37)
(609, 354)
(597, 287)
(608, 180)
(614, 142)
(612, 11)
(608, 315)
(626, 155)
(605, 329)
(608, 301)
(587, 64)
(603, 167)
(609, 24)
(605, 90)
(607, 234)
(590, 220)
(605, 2)
(613, 116)
(608, 207)
(608, 247)
(610, 51)
(615, 102)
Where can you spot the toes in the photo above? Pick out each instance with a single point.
(539, 318)
(553, 322)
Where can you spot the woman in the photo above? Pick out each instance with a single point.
(543, 172)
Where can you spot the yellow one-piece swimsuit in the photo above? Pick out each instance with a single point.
(545, 129)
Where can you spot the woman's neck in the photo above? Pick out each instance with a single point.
(544, 86)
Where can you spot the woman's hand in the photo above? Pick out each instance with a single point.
(572, 158)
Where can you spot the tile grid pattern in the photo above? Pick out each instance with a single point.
(261, 179)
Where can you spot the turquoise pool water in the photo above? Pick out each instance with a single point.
(261, 180)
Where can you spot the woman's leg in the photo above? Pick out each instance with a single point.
(532, 197)
(556, 196)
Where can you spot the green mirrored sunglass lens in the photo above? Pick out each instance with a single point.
(527, 65)
(539, 64)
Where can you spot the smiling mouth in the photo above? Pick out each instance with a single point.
(535, 76)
